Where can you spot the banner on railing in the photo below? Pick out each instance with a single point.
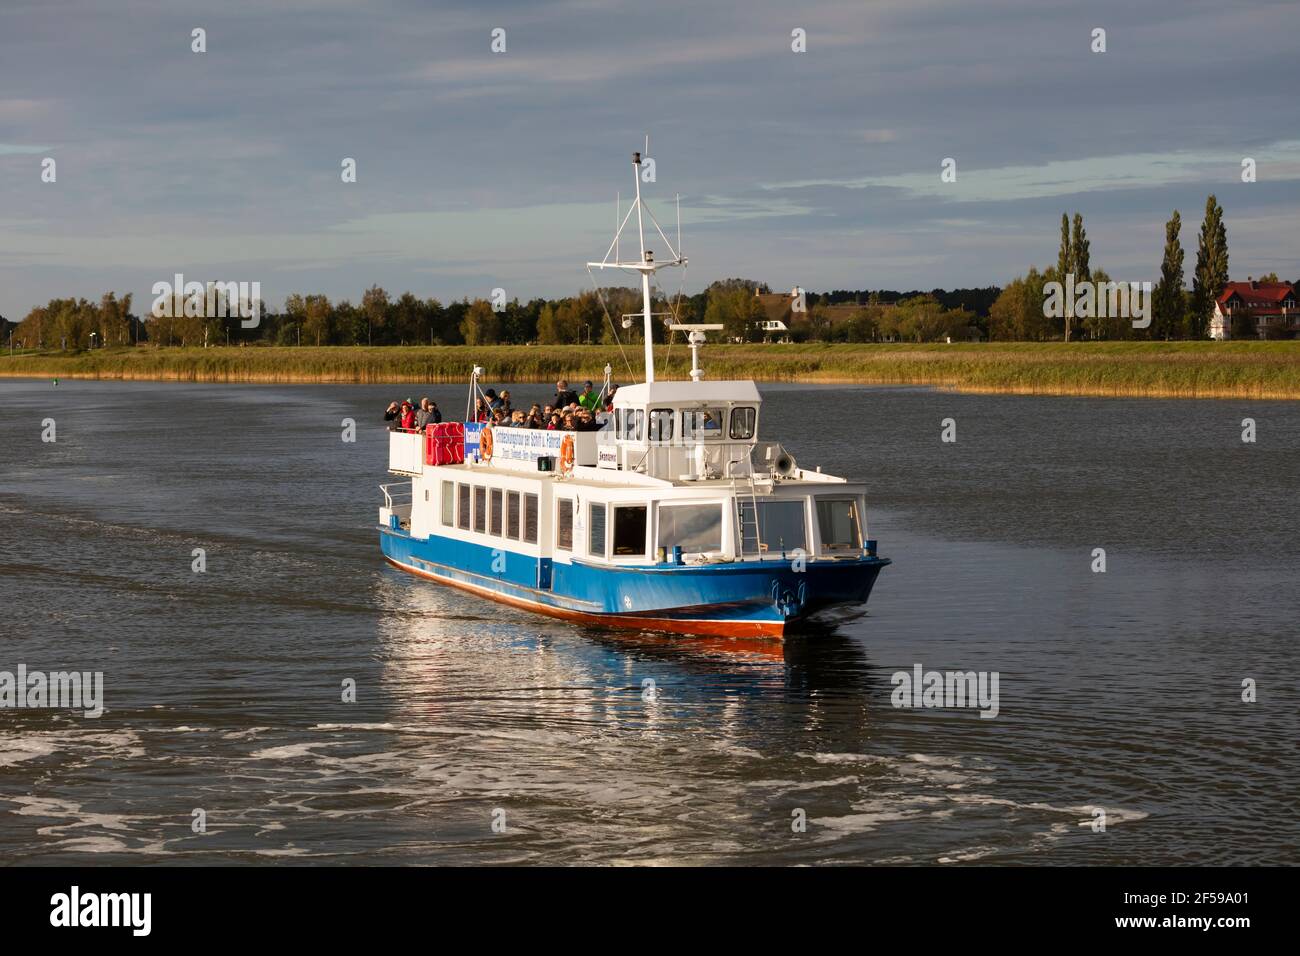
(525, 444)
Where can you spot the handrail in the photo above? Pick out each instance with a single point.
(389, 502)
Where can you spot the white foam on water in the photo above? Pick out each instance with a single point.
(971, 853)
(16, 749)
(289, 751)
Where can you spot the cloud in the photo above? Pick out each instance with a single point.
(1068, 177)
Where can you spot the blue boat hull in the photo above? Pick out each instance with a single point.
(736, 599)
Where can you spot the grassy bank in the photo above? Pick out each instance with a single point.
(1155, 369)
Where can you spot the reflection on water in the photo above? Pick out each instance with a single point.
(224, 689)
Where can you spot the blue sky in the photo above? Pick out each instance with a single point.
(478, 170)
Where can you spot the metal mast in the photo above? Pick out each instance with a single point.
(646, 265)
(646, 259)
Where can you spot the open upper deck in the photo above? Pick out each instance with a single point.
(659, 432)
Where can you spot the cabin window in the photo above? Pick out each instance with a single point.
(564, 524)
(693, 528)
(742, 422)
(494, 520)
(781, 525)
(448, 503)
(530, 519)
(661, 424)
(512, 515)
(596, 536)
(629, 530)
(480, 509)
(701, 423)
(632, 424)
(837, 520)
(462, 511)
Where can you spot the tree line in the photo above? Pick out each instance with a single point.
(1018, 314)
(380, 318)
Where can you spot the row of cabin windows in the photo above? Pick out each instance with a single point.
(512, 514)
(697, 424)
(696, 528)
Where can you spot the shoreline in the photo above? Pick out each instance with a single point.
(1075, 391)
(1267, 371)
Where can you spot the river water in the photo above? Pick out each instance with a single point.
(1120, 693)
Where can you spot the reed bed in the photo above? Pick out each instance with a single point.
(1269, 370)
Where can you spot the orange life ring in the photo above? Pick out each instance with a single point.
(485, 444)
(566, 455)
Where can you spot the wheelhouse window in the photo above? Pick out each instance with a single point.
(693, 528)
(530, 519)
(512, 515)
(661, 424)
(480, 509)
(448, 503)
(494, 520)
(837, 520)
(781, 525)
(629, 530)
(462, 509)
(702, 424)
(564, 524)
(596, 535)
(742, 422)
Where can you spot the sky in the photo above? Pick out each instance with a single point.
(478, 170)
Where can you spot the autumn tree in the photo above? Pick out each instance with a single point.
(374, 306)
(481, 325)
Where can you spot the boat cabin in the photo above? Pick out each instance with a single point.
(676, 474)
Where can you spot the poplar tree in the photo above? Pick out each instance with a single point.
(1079, 252)
(1168, 303)
(1064, 263)
(1211, 268)
(1064, 258)
(1078, 265)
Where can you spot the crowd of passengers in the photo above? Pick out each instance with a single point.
(585, 411)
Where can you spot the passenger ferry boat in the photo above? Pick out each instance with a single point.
(673, 516)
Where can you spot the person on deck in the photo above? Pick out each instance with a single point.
(392, 414)
(564, 396)
(588, 399)
(422, 414)
(407, 419)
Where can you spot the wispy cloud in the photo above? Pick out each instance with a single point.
(1279, 161)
